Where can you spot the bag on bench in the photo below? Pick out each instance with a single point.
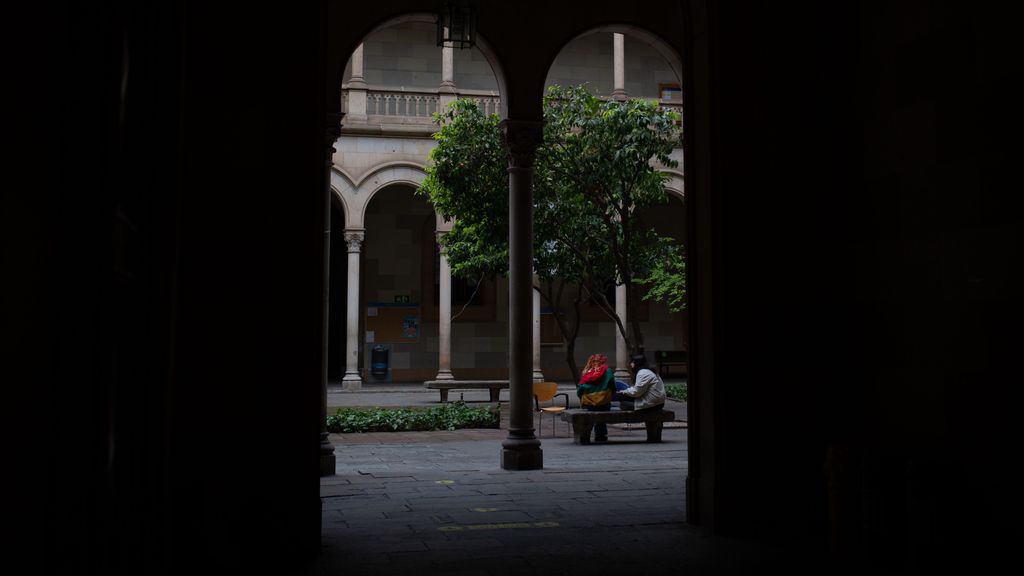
(625, 402)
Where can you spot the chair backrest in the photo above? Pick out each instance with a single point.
(545, 391)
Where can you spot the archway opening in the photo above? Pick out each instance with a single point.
(621, 63)
(393, 289)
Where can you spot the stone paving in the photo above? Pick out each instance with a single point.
(439, 503)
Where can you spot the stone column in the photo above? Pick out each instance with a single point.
(357, 88)
(521, 450)
(621, 353)
(447, 87)
(619, 65)
(353, 380)
(331, 134)
(538, 375)
(444, 320)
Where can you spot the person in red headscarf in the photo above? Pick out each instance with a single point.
(595, 391)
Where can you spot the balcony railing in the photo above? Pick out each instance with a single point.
(414, 104)
(413, 109)
(417, 104)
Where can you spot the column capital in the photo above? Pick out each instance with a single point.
(520, 139)
(354, 240)
(332, 131)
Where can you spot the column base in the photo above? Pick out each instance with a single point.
(444, 375)
(623, 375)
(619, 94)
(351, 381)
(520, 459)
(538, 376)
(521, 451)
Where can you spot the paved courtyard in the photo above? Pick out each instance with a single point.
(439, 503)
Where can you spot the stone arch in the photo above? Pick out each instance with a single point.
(523, 52)
(663, 48)
(387, 174)
(442, 225)
(675, 185)
(341, 190)
(481, 44)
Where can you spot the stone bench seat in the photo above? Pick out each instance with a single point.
(494, 386)
(583, 421)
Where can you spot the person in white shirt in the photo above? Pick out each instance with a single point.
(648, 390)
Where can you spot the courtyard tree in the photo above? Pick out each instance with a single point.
(596, 167)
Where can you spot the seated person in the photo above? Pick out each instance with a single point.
(647, 390)
(595, 390)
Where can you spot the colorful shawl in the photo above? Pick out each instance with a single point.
(596, 385)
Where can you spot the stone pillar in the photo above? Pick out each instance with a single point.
(447, 87)
(521, 450)
(332, 133)
(444, 320)
(357, 88)
(621, 353)
(619, 65)
(538, 375)
(353, 380)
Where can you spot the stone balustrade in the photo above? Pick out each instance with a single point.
(424, 103)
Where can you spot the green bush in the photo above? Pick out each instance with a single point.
(448, 416)
(676, 391)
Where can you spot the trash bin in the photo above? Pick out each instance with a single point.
(379, 361)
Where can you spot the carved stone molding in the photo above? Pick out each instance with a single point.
(354, 240)
(332, 132)
(521, 138)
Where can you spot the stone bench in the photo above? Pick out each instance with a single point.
(583, 421)
(494, 386)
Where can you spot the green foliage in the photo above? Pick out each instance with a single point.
(676, 391)
(593, 172)
(597, 166)
(468, 180)
(449, 416)
(666, 276)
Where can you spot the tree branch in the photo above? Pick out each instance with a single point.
(473, 295)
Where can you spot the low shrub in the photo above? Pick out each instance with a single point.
(676, 391)
(449, 416)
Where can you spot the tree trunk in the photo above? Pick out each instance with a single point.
(569, 335)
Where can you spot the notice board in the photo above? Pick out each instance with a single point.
(392, 323)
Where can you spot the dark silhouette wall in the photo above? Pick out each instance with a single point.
(339, 298)
(865, 260)
(176, 287)
(865, 279)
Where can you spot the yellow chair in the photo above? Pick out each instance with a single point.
(547, 392)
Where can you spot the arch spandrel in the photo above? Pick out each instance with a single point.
(519, 45)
